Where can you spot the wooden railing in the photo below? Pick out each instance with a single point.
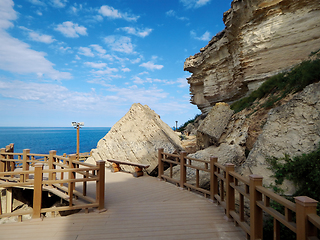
(60, 175)
(225, 183)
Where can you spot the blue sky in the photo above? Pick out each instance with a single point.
(89, 61)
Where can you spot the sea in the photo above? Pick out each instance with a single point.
(43, 139)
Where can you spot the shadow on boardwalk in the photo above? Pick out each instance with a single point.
(137, 208)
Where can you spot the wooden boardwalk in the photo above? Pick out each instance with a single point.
(137, 208)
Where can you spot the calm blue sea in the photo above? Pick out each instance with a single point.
(44, 139)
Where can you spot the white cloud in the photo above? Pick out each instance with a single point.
(17, 57)
(105, 71)
(7, 14)
(70, 29)
(37, 2)
(143, 73)
(98, 48)
(85, 51)
(37, 36)
(194, 3)
(137, 80)
(75, 9)
(172, 13)
(151, 66)
(119, 44)
(182, 82)
(96, 65)
(58, 3)
(112, 13)
(205, 37)
(136, 31)
(125, 70)
(54, 96)
(136, 60)
(65, 49)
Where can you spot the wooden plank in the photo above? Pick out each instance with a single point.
(281, 218)
(315, 220)
(77, 193)
(197, 188)
(242, 224)
(198, 168)
(277, 198)
(16, 213)
(57, 192)
(129, 163)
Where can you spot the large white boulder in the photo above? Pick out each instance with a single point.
(136, 137)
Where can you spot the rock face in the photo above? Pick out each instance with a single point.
(136, 138)
(293, 129)
(212, 127)
(261, 38)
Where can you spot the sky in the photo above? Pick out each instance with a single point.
(89, 61)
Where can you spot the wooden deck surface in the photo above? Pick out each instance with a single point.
(137, 208)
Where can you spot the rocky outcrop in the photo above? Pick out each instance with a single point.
(292, 129)
(136, 137)
(261, 38)
(214, 125)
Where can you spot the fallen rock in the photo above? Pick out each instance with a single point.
(136, 137)
(214, 125)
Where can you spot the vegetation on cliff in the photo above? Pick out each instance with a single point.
(304, 172)
(184, 125)
(282, 84)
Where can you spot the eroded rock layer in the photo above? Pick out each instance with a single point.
(136, 138)
(261, 38)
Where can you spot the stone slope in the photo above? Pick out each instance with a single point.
(261, 38)
(292, 129)
(136, 137)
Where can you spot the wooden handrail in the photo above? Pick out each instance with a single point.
(225, 182)
(55, 165)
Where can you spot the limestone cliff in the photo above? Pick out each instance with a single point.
(136, 138)
(261, 38)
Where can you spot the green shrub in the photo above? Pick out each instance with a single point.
(183, 126)
(295, 80)
(304, 172)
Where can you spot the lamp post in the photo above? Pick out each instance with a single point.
(77, 126)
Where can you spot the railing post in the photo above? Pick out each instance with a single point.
(305, 206)
(183, 169)
(256, 214)
(160, 163)
(213, 178)
(25, 163)
(50, 162)
(9, 200)
(100, 185)
(37, 191)
(0, 202)
(11, 164)
(72, 175)
(2, 157)
(230, 201)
